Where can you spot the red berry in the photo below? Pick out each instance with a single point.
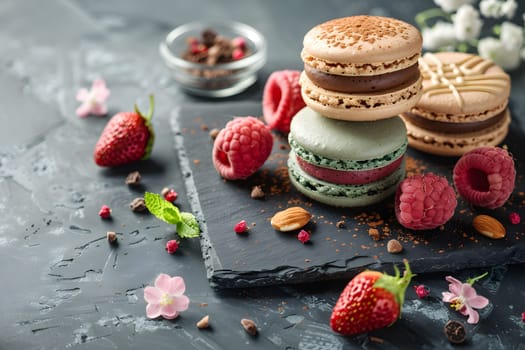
(127, 137)
(282, 99)
(514, 218)
(523, 316)
(237, 54)
(104, 212)
(240, 227)
(424, 202)
(241, 148)
(171, 195)
(303, 236)
(371, 300)
(172, 246)
(485, 176)
(421, 291)
(239, 42)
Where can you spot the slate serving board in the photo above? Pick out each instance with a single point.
(265, 256)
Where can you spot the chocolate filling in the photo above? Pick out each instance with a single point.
(452, 128)
(362, 83)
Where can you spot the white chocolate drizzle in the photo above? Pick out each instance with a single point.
(468, 75)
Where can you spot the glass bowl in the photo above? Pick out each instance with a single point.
(217, 80)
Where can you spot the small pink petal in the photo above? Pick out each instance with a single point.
(455, 285)
(448, 297)
(468, 291)
(98, 83)
(473, 316)
(181, 303)
(152, 294)
(82, 95)
(163, 282)
(169, 312)
(176, 286)
(478, 302)
(83, 110)
(99, 109)
(153, 310)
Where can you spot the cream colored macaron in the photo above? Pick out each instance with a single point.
(464, 105)
(361, 68)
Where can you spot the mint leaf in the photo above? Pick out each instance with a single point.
(188, 227)
(161, 208)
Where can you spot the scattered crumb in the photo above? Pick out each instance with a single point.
(111, 236)
(257, 192)
(374, 234)
(133, 178)
(204, 127)
(376, 340)
(138, 205)
(394, 246)
(213, 133)
(340, 224)
(204, 322)
(196, 161)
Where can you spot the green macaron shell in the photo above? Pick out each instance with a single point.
(344, 195)
(350, 145)
(345, 164)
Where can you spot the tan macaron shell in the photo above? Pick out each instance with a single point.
(461, 88)
(455, 145)
(361, 45)
(360, 107)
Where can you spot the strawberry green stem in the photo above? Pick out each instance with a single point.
(473, 280)
(396, 284)
(147, 122)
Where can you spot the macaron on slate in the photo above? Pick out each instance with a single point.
(346, 164)
(361, 68)
(463, 107)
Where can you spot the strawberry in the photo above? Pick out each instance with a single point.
(371, 300)
(127, 137)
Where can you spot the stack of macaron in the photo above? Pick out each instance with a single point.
(348, 143)
(463, 107)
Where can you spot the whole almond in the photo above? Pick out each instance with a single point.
(290, 219)
(249, 326)
(204, 322)
(489, 226)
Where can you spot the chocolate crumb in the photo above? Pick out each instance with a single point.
(455, 332)
(213, 133)
(138, 204)
(249, 326)
(374, 234)
(394, 246)
(257, 192)
(111, 236)
(133, 178)
(340, 224)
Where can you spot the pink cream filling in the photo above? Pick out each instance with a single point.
(348, 177)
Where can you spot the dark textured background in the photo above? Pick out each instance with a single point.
(65, 287)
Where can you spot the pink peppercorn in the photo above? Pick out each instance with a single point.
(421, 291)
(172, 246)
(239, 42)
(240, 227)
(104, 212)
(171, 195)
(514, 218)
(237, 54)
(303, 236)
(523, 316)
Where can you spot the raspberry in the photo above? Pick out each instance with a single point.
(303, 236)
(104, 212)
(485, 176)
(241, 148)
(172, 246)
(424, 202)
(282, 99)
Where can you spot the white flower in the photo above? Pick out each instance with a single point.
(508, 8)
(467, 23)
(451, 5)
(511, 35)
(440, 36)
(493, 49)
(490, 8)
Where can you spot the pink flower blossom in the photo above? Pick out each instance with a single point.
(464, 298)
(94, 100)
(167, 298)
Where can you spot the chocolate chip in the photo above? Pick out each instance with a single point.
(208, 37)
(138, 205)
(455, 332)
(133, 178)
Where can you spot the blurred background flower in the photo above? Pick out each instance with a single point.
(485, 27)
